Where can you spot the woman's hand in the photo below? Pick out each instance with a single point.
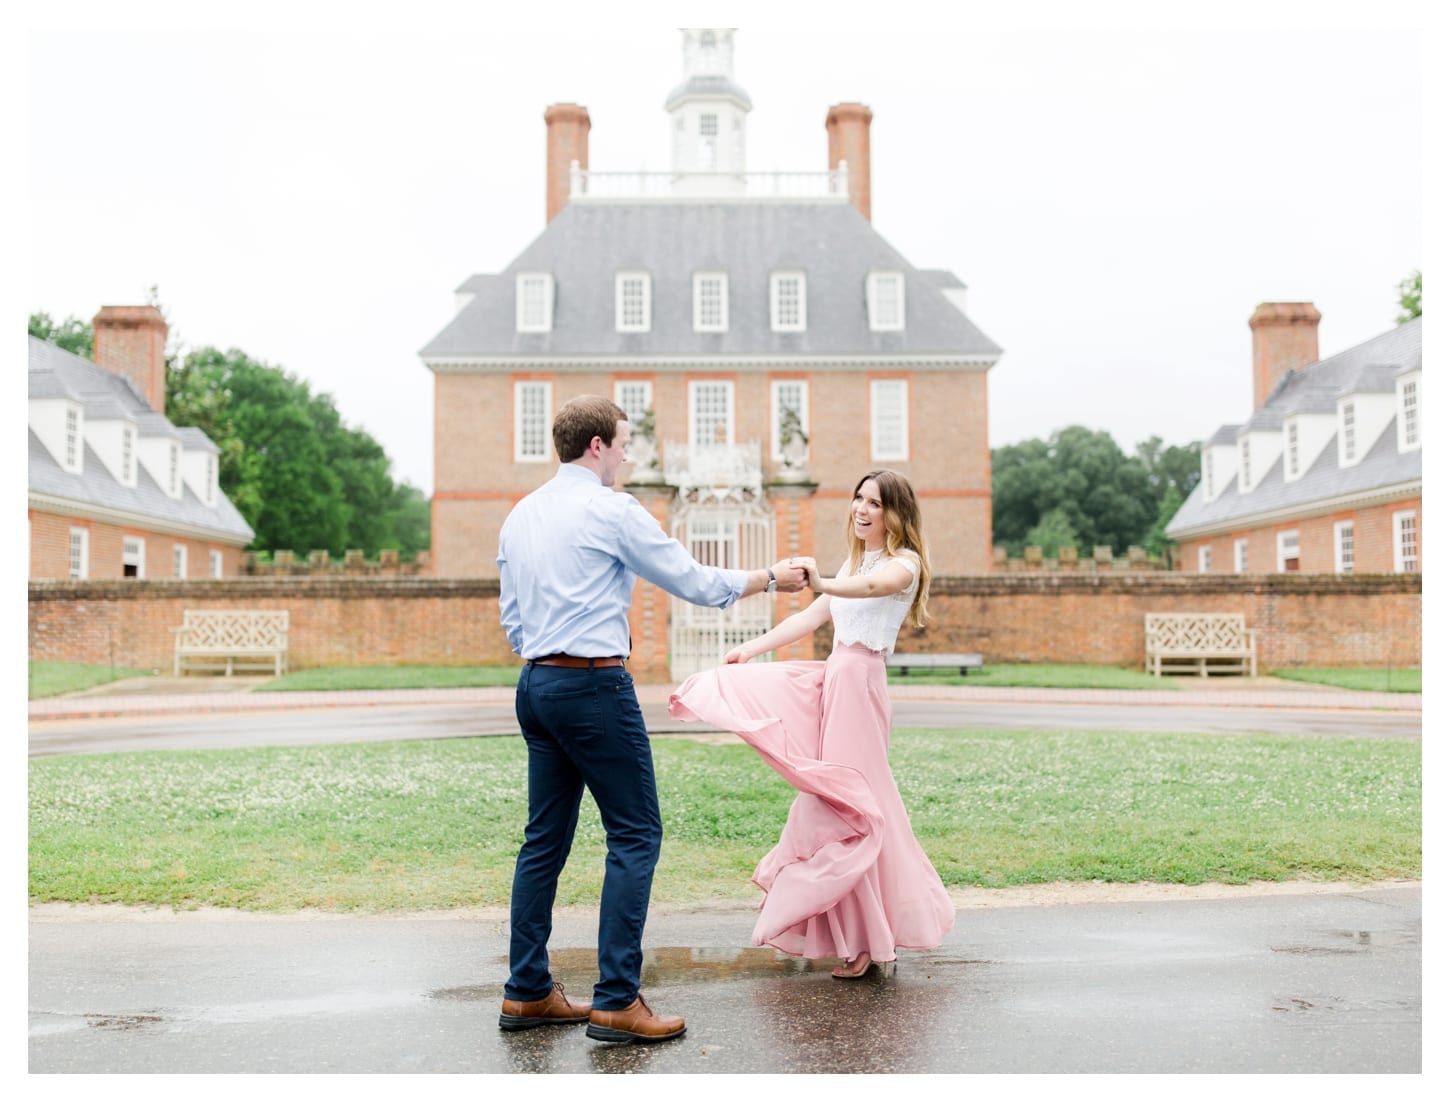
(813, 573)
(736, 655)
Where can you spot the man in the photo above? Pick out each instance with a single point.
(568, 557)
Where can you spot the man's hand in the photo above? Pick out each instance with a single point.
(790, 575)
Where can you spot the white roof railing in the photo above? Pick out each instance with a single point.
(585, 185)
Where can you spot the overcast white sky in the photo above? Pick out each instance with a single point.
(1117, 199)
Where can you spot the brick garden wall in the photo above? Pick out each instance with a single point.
(1302, 620)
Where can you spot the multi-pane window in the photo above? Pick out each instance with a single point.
(1205, 559)
(173, 471)
(712, 413)
(1410, 411)
(1244, 453)
(787, 302)
(128, 454)
(888, 419)
(211, 479)
(72, 439)
(1291, 433)
(214, 563)
(1344, 547)
(178, 560)
(1241, 556)
(1346, 428)
(634, 396)
(1288, 542)
(80, 541)
(886, 301)
(709, 141)
(1407, 542)
(712, 302)
(532, 402)
(534, 302)
(632, 302)
(787, 394)
(1208, 474)
(133, 557)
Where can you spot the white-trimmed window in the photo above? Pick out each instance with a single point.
(709, 142)
(1241, 555)
(173, 470)
(712, 302)
(128, 455)
(1344, 547)
(634, 396)
(886, 301)
(210, 479)
(631, 302)
(1288, 546)
(712, 412)
(178, 560)
(787, 394)
(1205, 559)
(532, 402)
(534, 302)
(214, 563)
(1291, 448)
(888, 419)
(80, 553)
(1407, 542)
(1410, 412)
(788, 302)
(133, 557)
(1346, 431)
(72, 439)
(1208, 474)
(1245, 463)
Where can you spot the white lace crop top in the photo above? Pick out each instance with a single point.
(874, 621)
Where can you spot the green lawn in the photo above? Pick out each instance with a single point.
(1379, 680)
(55, 678)
(436, 824)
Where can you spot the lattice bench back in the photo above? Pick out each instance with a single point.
(235, 629)
(1195, 633)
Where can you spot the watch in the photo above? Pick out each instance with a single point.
(770, 583)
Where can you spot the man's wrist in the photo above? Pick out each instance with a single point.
(769, 580)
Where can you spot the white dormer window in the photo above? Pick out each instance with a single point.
(886, 301)
(173, 471)
(1246, 479)
(788, 302)
(632, 302)
(1291, 450)
(1346, 432)
(532, 402)
(888, 419)
(128, 455)
(534, 302)
(210, 480)
(1410, 413)
(712, 302)
(72, 439)
(1208, 475)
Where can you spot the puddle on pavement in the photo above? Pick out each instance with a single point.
(122, 1021)
(1350, 942)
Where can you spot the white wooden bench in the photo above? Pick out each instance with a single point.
(1201, 642)
(230, 639)
(908, 662)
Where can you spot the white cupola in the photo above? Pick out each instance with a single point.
(707, 114)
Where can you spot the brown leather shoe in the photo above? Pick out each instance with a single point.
(636, 1022)
(553, 1009)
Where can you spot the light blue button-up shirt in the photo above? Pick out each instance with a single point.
(568, 556)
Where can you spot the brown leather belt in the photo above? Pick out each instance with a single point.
(575, 663)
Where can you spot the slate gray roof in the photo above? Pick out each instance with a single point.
(588, 242)
(707, 85)
(1304, 391)
(53, 368)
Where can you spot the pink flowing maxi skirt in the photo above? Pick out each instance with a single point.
(848, 875)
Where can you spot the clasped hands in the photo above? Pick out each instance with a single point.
(796, 573)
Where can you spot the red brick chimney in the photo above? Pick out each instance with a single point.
(568, 140)
(1286, 337)
(131, 341)
(848, 138)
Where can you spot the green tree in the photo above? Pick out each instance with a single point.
(1176, 466)
(1409, 298)
(1052, 532)
(1157, 541)
(72, 334)
(302, 479)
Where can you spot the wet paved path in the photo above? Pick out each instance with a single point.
(1307, 983)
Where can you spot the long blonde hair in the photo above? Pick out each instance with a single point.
(903, 533)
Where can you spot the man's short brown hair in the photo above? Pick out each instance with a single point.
(580, 420)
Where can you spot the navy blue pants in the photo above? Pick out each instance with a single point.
(583, 727)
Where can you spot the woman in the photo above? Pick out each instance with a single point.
(848, 878)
